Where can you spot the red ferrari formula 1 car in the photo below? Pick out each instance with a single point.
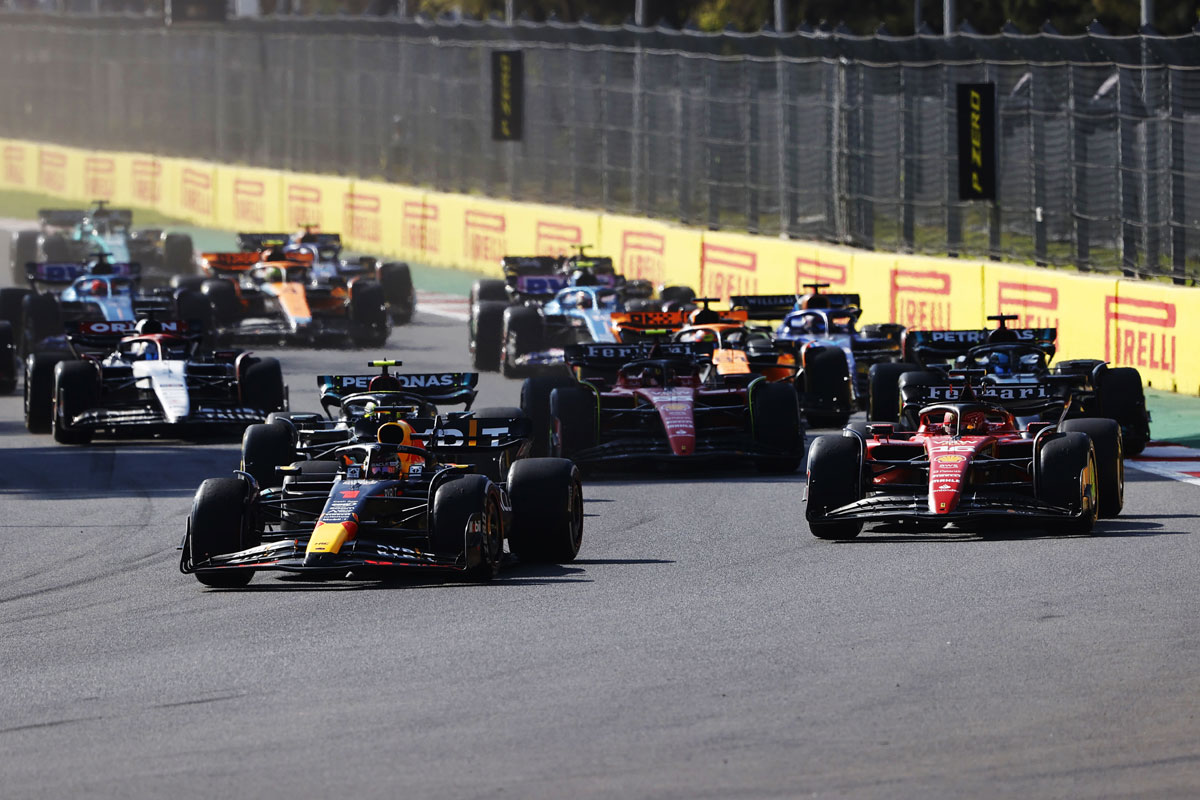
(969, 463)
(665, 401)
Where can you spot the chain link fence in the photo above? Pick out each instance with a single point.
(807, 135)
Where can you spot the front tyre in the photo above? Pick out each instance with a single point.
(454, 505)
(834, 480)
(76, 390)
(1067, 477)
(220, 524)
(547, 502)
(1110, 460)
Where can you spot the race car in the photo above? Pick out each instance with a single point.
(506, 329)
(146, 378)
(835, 355)
(72, 235)
(664, 402)
(63, 293)
(534, 336)
(324, 251)
(969, 462)
(1016, 357)
(275, 296)
(363, 403)
(378, 507)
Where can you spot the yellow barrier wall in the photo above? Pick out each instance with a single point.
(1130, 323)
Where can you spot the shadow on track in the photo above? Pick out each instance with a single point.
(1121, 527)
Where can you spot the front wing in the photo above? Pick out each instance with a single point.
(288, 555)
(899, 507)
(150, 416)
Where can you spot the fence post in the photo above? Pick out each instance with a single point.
(782, 145)
(1037, 127)
(1128, 184)
(750, 148)
(954, 225)
(911, 168)
(1178, 181)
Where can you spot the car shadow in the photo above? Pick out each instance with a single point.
(515, 574)
(1119, 527)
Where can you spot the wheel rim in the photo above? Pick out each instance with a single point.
(575, 510)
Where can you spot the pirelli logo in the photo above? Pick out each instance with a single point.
(643, 255)
(52, 171)
(147, 180)
(363, 219)
(725, 271)
(1140, 333)
(484, 236)
(921, 298)
(249, 201)
(14, 165)
(556, 239)
(196, 191)
(811, 270)
(419, 228)
(303, 205)
(1035, 306)
(99, 177)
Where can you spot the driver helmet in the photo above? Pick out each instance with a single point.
(96, 287)
(384, 383)
(273, 275)
(394, 465)
(144, 326)
(144, 350)
(1000, 362)
(651, 376)
(973, 422)
(583, 277)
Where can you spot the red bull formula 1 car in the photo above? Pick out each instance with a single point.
(968, 462)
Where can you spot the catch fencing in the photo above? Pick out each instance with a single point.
(805, 135)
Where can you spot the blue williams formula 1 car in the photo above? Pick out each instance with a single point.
(1016, 357)
(833, 354)
(395, 502)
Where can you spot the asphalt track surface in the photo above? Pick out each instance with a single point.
(705, 645)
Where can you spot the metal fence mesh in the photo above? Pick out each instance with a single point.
(821, 136)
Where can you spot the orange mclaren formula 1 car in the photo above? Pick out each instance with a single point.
(274, 295)
(969, 462)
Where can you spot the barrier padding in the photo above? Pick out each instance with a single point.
(1130, 323)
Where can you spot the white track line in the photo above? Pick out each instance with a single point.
(451, 306)
(1169, 460)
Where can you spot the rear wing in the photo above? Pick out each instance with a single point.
(650, 320)
(597, 264)
(765, 306)
(118, 216)
(66, 272)
(614, 356)
(231, 262)
(1042, 395)
(107, 333)
(922, 347)
(261, 241)
(61, 217)
(472, 433)
(442, 388)
(531, 265)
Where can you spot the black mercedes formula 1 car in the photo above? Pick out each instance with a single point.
(397, 502)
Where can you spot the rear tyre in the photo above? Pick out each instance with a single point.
(24, 250)
(178, 254)
(883, 390)
(40, 319)
(39, 391)
(264, 448)
(486, 332)
(489, 290)
(523, 332)
(396, 279)
(454, 503)
(1122, 398)
(222, 296)
(368, 311)
(1110, 461)
(8, 359)
(676, 294)
(547, 503)
(11, 301)
(826, 388)
(192, 282)
(834, 480)
(535, 402)
(776, 414)
(56, 248)
(573, 417)
(76, 390)
(1061, 480)
(262, 386)
(219, 525)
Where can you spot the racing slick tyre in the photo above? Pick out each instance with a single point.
(834, 480)
(883, 330)
(909, 385)
(220, 524)
(265, 447)
(56, 248)
(485, 332)
(489, 290)
(883, 390)
(192, 282)
(262, 385)
(8, 359)
(41, 318)
(775, 412)
(1062, 464)
(676, 294)
(23, 250)
(454, 504)
(369, 313)
(179, 254)
(1110, 461)
(827, 388)
(222, 296)
(39, 391)
(76, 390)
(396, 279)
(547, 510)
(192, 306)
(1122, 398)
(10, 305)
(535, 402)
(573, 417)
(522, 332)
